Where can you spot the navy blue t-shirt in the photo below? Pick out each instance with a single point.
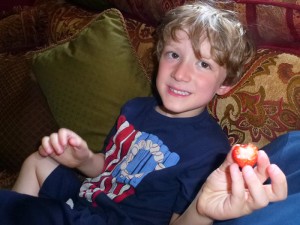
(155, 165)
(50, 208)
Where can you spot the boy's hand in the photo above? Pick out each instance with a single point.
(66, 147)
(231, 193)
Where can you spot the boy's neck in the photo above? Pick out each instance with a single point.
(165, 112)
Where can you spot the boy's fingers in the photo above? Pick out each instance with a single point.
(75, 142)
(257, 194)
(277, 190)
(238, 188)
(46, 146)
(54, 140)
(63, 136)
(42, 151)
(263, 163)
(68, 137)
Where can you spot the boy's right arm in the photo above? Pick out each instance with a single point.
(69, 149)
(230, 193)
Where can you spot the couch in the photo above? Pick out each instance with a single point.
(74, 63)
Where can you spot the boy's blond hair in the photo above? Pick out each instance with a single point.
(230, 45)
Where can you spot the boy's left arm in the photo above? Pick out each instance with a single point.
(224, 194)
(69, 149)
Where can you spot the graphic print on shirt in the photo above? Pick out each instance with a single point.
(130, 156)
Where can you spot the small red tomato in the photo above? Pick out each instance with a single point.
(245, 154)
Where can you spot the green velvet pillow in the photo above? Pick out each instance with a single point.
(88, 78)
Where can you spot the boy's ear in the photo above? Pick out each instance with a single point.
(223, 90)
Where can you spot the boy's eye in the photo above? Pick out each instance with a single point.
(204, 65)
(173, 55)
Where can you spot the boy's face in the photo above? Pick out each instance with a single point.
(185, 83)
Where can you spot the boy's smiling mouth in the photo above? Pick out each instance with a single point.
(178, 92)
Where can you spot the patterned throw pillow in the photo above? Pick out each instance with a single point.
(142, 39)
(149, 12)
(87, 78)
(265, 103)
(272, 23)
(9, 5)
(92, 4)
(20, 31)
(63, 20)
(25, 116)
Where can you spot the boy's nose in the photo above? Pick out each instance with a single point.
(182, 72)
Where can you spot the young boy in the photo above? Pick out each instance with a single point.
(160, 152)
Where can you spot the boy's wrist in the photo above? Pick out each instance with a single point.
(200, 217)
(92, 167)
(193, 216)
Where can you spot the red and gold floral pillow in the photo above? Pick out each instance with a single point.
(272, 23)
(141, 36)
(21, 31)
(265, 103)
(147, 11)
